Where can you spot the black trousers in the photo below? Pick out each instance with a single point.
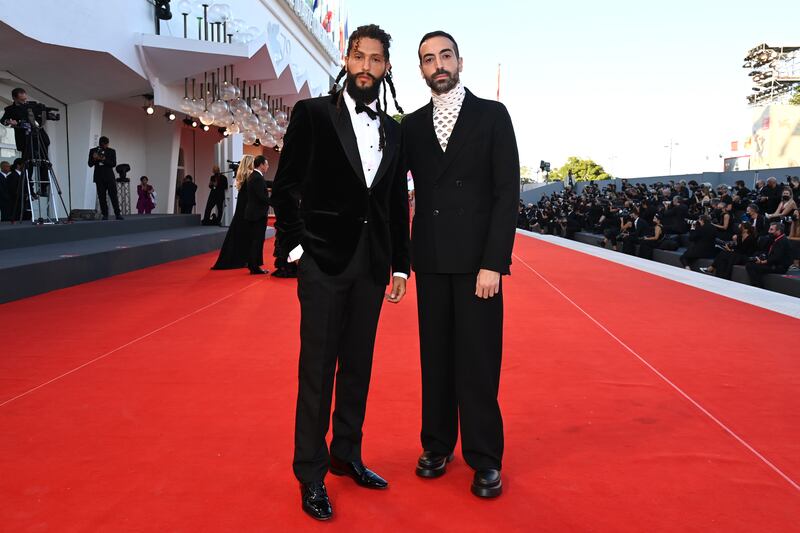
(756, 272)
(461, 345)
(255, 255)
(107, 186)
(217, 200)
(725, 261)
(339, 318)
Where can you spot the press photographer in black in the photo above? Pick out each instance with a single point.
(104, 159)
(777, 259)
(701, 242)
(734, 252)
(18, 116)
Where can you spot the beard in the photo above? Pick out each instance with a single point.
(365, 95)
(444, 85)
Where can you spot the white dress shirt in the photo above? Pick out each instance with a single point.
(368, 139)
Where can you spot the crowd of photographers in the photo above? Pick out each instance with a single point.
(758, 228)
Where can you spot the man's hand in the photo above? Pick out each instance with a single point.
(398, 290)
(488, 284)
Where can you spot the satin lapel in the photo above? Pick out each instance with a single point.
(344, 129)
(468, 118)
(392, 142)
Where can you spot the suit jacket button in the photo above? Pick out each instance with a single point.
(436, 212)
(459, 183)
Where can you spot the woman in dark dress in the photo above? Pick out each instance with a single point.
(237, 241)
(744, 246)
(651, 242)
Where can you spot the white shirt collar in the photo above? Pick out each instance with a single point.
(351, 104)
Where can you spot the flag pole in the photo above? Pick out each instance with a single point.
(498, 82)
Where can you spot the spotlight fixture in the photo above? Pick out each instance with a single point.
(223, 131)
(205, 127)
(192, 123)
(148, 106)
(170, 115)
(257, 143)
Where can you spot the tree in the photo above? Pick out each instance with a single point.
(525, 175)
(796, 97)
(581, 169)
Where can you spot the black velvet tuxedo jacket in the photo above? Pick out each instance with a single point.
(321, 198)
(103, 170)
(467, 198)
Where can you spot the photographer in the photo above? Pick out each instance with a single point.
(769, 196)
(104, 159)
(218, 184)
(675, 215)
(17, 116)
(701, 242)
(777, 260)
(186, 195)
(735, 252)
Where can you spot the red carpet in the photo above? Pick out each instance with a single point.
(182, 419)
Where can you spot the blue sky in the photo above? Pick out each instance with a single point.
(613, 80)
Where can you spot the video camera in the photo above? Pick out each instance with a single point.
(39, 110)
(233, 165)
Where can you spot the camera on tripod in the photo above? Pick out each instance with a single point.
(39, 110)
(233, 165)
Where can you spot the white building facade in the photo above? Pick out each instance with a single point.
(102, 63)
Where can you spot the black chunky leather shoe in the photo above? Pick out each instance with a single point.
(359, 473)
(431, 465)
(316, 503)
(487, 483)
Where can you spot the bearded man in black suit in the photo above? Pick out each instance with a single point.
(341, 204)
(462, 153)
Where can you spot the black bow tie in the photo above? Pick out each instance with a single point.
(361, 107)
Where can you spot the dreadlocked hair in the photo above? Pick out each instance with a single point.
(370, 31)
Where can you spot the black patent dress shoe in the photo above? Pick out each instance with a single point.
(359, 473)
(284, 273)
(257, 271)
(315, 500)
(119, 217)
(431, 464)
(487, 483)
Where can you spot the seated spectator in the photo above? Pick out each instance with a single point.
(701, 242)
(736, 252)
(777, 259)
(769, 196)
(652, 241)
(758, 220)
(639, 229)
(722, 219)
(786, 206)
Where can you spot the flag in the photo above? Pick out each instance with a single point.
(346, 31)
(326, 21)
(315, 5)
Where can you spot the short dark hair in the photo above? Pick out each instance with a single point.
(103, 140)
(754, 207)
(437, 33)
(258, 161)
(779, 226)
(16, 92)
(188, 177)
(144, 178)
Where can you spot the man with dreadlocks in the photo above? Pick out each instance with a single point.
(462, 153)
(341, 204)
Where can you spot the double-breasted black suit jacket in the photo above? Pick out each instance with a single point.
(321, 198)
(467, 198)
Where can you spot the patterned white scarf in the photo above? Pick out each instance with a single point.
(446, 108)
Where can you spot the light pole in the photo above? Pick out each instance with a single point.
(670, 146)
